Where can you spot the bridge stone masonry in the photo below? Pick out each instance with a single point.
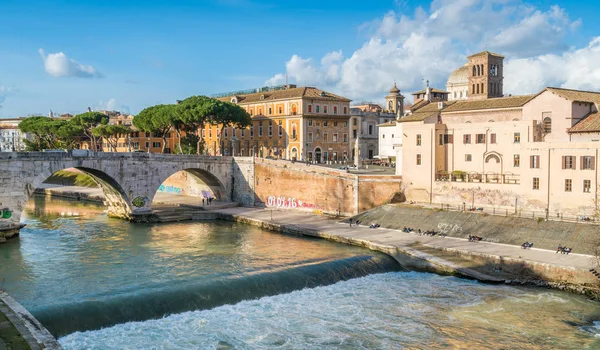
(129, 180)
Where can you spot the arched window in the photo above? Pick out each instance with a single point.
(473, 89)
(547, 125)
(477, 88)
(482, 91)
(492, 157)
(474, 71)
(391, 106)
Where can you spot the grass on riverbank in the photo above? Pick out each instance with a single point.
(71, 178)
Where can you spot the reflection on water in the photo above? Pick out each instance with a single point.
(400, 310)
(63, 266)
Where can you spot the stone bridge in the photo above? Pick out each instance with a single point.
(129, 180)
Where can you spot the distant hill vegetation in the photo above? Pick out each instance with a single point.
(71, 177)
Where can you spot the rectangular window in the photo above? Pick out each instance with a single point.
(467, 139)
(370, 129)
(480, 138)
(317, 109)
(345, 124)
(309, 108)
(310, 122)
(536, 183)
(383, 136)
(260, 129)
(294, 132)
(468, 158)
(354, 121)
(203, 133)
(243, 132)
(568, 162)
(516, 160)
(418, 139)
(325, 109)
(588, 163)
(270, 111)
(147, 144)
(155, 144)
(534, 162)
(492, 138)
(445, 139)
(252, 131)
(310, 137)
(280, 110)
(270, 128)
(325, 137)
(335, 138)
(233, 132)
(335, 123)
(280, 129)
(418, 159)
(587, 186)
(345, 110)
(568, 185)
(334, 110)
(517, 137)
(209, 133)
(354, 133)
(225, 129)
(345, 137)
(325, 123)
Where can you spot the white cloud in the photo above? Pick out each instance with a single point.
(112, 105)
(430, 43)
(59, 65)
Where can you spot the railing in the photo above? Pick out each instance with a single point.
(540, 215)
(507, 179)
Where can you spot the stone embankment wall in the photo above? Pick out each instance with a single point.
(286, 185)
(582, 237)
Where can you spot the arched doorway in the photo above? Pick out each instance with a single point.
(493, 163)
(294, 153)
(318, 155)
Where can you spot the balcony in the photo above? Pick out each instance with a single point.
(462, 176)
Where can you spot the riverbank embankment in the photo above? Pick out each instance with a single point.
(484, 261)
(20, 330)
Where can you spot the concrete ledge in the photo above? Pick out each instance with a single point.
(36, 336)
(9, 229)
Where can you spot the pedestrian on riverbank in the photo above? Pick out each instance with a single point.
(202, 201)
(210, 200)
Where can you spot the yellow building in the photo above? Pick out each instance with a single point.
(287, 122)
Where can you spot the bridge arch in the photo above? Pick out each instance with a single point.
(192, 182)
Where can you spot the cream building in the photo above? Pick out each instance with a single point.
(458, 84)
(534, 152)
(288, 122)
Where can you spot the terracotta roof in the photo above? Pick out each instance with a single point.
(490, 103)
(432, 90)
(300, 92)
(576, 95)
(591, 123)
(486, 53)
(391, 123)
(426, 111)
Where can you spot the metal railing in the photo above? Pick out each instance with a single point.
(507, 179)
(511, 212)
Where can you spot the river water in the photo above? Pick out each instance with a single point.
(99, 283)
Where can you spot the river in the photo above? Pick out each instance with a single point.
(100, 283)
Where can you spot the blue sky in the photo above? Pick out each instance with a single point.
(68, 55)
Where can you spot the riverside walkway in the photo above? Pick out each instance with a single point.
(446, 251)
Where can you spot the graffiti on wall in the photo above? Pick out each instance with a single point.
(289, 203)
(170, 189)
(5, 213)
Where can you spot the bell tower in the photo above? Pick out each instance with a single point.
(394, 102)
(486, 71)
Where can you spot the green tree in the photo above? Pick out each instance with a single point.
(87, 122)
(229, 115)
(111, 134)
(157, 119)
(194, 112)
(189, 144)
(36, 127)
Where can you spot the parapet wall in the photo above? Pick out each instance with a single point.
(297, 186)
(582, 237)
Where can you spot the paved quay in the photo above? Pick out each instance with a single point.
(441, 251)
